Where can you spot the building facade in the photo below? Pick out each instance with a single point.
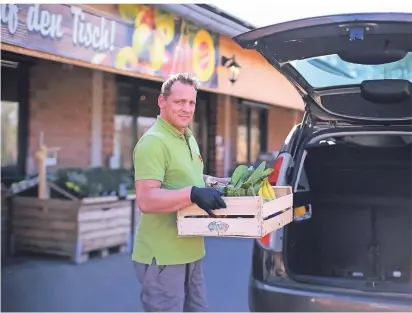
(86, 78)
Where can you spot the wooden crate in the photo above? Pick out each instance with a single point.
(249, 217)
(75, 229)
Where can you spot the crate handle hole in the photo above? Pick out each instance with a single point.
(106, 209)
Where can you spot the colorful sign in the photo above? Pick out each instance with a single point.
(140, 38)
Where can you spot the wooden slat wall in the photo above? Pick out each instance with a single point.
(70, 228)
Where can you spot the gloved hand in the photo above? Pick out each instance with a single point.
(207, 199)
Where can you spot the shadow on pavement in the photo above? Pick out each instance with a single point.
(35, 284)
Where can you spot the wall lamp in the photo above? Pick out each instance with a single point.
(232, 66)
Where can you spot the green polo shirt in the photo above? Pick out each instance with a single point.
(166, 155)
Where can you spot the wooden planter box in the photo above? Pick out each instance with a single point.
(249, 217)
(4, 220)
(71, 228)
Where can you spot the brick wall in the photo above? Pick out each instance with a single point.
(213, 129)
(60, 106)
(280, 122)
(233, 129)
(109, 108)
(220, 131)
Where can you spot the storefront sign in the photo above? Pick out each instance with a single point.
(141, 38)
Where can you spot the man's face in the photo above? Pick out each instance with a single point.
(179, 107)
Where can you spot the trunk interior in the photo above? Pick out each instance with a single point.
(360, 231)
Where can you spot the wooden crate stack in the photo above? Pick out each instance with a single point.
(71, 228)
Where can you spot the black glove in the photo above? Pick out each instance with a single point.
(207, 199)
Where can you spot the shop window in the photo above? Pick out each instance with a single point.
(9, 133)
(242, 136)
(123, 141)
(251, 132)
(14, 119)
(255, 133)
(147, 110)
(200, 127)
(136, 112)
(123, 125)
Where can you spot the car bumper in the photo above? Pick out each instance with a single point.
(266, 298)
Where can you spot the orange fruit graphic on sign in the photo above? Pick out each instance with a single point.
(203, 55)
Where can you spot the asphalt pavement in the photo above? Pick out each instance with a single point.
(39, 285)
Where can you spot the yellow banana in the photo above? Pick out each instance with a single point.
(265, 192)
(261, 191)
(269, 196)
(270, 190)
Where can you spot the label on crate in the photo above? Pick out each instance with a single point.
(219, 227)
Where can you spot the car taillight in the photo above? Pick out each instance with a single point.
(265, 240)
(273, 179)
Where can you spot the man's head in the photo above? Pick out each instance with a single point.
(177, 100)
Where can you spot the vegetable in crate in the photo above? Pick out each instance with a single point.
(246, 181)
(266, 192)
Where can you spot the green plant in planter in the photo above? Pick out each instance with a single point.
(94, 182)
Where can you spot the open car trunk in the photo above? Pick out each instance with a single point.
(359, 235)
(352, 68)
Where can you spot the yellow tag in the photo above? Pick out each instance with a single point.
(299, 211)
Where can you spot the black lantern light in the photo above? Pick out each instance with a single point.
(232, 66)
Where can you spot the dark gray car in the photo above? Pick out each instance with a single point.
(349, 163)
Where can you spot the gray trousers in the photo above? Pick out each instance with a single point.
(172, 288)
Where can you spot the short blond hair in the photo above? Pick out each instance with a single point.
(184, 78)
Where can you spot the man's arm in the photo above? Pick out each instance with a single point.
(151, 199)
(150, 158)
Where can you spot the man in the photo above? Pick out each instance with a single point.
(168, 177)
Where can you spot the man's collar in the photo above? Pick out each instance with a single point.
(173, 130)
